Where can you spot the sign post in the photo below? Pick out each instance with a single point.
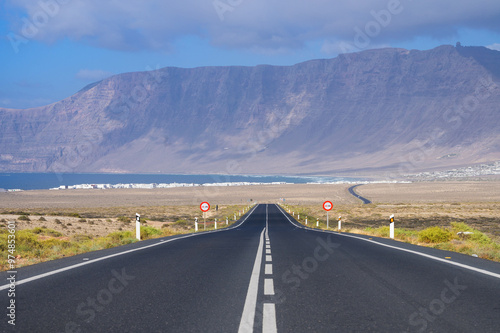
(204, 207)
(327, 205)
(138, 226)
(391, 227)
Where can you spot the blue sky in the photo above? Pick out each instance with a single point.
(50, 49)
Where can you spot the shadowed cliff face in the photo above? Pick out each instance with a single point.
(379, 110)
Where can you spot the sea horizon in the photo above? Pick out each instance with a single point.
(44, 181)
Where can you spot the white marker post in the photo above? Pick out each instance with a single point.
(226, 220)
(306, 220)
(391, 227)
(317, 221)
(327, 205)
(235, 216)
(340, 222)
(215, 224)
(195, 224)
(138, 226)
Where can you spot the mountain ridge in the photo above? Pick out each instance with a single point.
(391, 110)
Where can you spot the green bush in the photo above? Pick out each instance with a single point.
(460, 226)
(123, 219)
(380, 231)
(434, 235)
(55, 244)
(477, 236)
(118, 236)
(24, 218)
(47, 232)
(42, 218)
(81, 238)
(148, 232)
(27, 241)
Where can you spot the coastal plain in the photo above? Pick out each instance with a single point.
(416, 205)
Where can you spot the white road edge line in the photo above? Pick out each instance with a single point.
(248, 315)
(269, 318)
(40, 276)
(479, 270)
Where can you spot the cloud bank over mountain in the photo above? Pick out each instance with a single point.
(257, 24)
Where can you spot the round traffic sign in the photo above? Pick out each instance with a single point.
(327, 205)
(205, 206)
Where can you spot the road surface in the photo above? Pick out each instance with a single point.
(351, 190)
(266, 274)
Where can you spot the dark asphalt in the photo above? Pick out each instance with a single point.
(351, 190)
(324, 282)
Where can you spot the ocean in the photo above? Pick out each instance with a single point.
(43, 181)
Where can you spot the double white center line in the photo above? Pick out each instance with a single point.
(268, 309)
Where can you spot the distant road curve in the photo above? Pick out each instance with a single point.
(351, 190)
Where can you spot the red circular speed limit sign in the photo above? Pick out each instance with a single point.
(205, 206)
(327, 205)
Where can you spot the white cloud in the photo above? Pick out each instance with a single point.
(495, 46)
(251, 24)
(92, 75)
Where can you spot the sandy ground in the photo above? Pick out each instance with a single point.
(241, 195)
(432, 192)
(98, 211)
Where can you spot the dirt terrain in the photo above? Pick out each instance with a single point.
(99, 212)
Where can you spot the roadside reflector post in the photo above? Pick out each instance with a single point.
(317, 221)
(391, 227)
(215, 224)
(340, 222)
(226, 220)
(306, 220)
(138, 226)
(195, 224)
(235, 216)
(298, 217)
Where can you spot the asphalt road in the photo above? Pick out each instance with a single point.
(267, 274)
(351, 190)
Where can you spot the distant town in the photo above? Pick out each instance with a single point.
(488, 169)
